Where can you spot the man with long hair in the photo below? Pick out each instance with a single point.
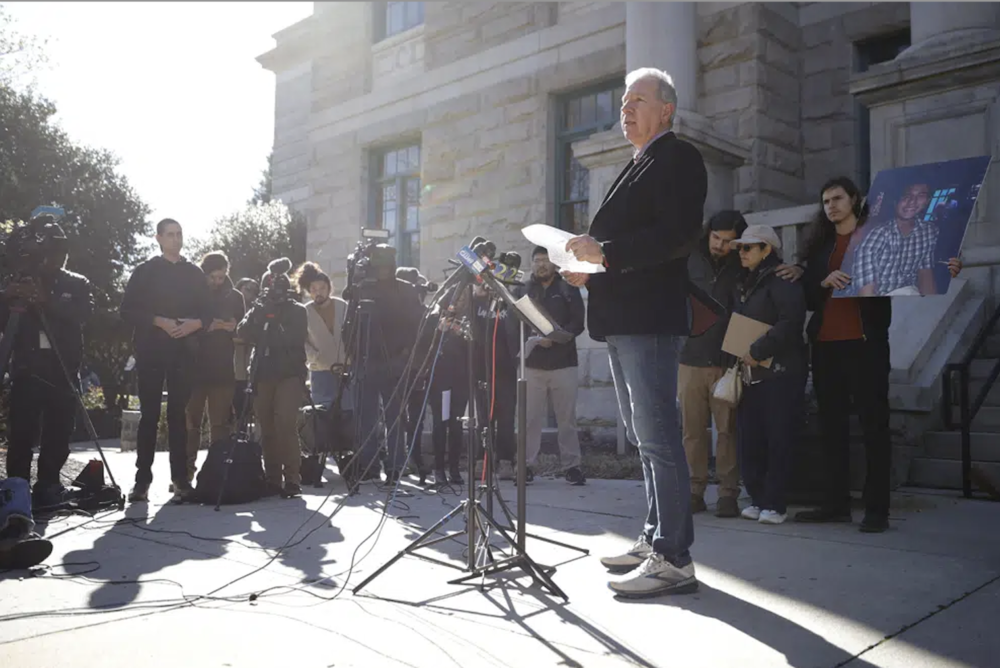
(850, 360)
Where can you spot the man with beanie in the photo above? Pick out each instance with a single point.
(276, 326)
(214, 379)
(166, 301)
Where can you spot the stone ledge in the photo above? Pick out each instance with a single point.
(920, 75)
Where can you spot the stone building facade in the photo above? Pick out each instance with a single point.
(442, 121)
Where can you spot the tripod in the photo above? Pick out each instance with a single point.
(17, 309)
(479, 520)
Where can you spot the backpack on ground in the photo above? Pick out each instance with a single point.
(244, 481)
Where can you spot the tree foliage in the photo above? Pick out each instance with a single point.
(20, 54)
(262, 193)
(256, 235)
(39, 164)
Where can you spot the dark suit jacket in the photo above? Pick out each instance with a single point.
(650, 221)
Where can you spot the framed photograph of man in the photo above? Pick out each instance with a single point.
(917, 221)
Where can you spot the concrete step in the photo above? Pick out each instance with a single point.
(986, 420)
(945, 473)
(947, 445)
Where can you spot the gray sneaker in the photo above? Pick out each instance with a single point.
(632, 559)
(656, 577)
(505, 470)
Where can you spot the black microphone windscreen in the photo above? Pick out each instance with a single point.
(512, 259)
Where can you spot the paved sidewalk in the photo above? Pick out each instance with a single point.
(794, 595)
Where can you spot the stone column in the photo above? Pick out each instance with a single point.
(664, 35)
(938, 26)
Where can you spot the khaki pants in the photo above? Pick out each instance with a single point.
(694, 389)
(220, 411)
(561, 384)
(276, 407)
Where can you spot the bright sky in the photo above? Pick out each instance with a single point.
(172, 88)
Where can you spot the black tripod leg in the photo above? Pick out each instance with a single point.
(91, 431)
(416, 544)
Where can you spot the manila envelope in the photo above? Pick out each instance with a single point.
(741, 334)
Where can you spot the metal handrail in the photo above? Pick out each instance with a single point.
(967, 410)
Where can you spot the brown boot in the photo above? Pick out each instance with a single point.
(697, 504)
(727, 507)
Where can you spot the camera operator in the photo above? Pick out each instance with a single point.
(394, 322)
(276, 325)
(166, 300)
(42, 403)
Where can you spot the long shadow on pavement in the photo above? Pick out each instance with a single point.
(137, 554)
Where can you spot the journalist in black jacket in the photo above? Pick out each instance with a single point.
(276, 326)
(770, 410)
(39, 391)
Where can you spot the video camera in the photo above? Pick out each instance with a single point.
(26, 247)
(359, 263)
(276, 288)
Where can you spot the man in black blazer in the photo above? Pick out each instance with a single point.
(644, 231)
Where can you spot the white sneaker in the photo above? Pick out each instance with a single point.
(632, 559)
(657, 576)
(772, 517)
(751, 513)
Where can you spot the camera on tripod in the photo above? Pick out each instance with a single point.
(27, 246)
(359, 262)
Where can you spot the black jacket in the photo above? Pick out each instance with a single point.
(648, 224)
(718, 280)
(216, 349)
(159, 287)
(507, 346)
(764, 297)
(67, 306)
(565, 305)
(876, 312)
(395, 320)
(282, 344)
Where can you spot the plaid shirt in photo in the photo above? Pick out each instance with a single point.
(890, 260)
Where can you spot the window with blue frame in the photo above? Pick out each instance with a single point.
(581, 114)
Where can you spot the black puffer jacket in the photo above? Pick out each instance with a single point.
(764, 297)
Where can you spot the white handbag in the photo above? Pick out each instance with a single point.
(729, 388)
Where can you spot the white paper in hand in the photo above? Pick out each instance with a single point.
(554, 240)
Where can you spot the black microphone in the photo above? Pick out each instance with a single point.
(512, 259)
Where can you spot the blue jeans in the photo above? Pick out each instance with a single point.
(323, 386)
(644, 369)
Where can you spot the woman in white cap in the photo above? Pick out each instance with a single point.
(770, 410)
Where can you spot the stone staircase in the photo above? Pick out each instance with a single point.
(939, 464)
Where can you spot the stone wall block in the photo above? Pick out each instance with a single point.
(728, 52)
